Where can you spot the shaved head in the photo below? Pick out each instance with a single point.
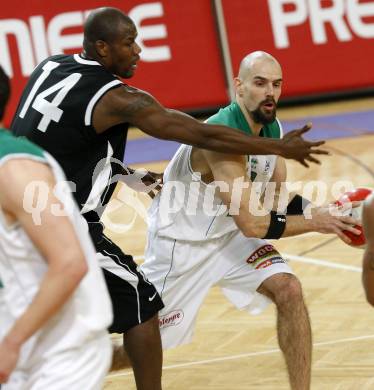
(254, 60)
(104, 24)
(258, 87)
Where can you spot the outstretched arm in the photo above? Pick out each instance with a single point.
(57, 242)
(249, 214)
(125, 104)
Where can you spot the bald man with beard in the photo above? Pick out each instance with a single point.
(196, 244)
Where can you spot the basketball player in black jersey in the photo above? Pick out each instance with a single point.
(76, 108)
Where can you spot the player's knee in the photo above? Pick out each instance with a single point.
(289, 292)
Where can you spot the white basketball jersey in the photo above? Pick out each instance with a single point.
(189, 209)
(22, 268)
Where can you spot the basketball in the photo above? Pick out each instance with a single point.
(356, 195)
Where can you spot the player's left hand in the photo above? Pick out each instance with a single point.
(8, 360)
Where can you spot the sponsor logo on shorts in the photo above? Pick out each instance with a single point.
(150, 299)
(171, 319)
(265, 252)
(269, 262)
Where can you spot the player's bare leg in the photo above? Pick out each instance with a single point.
(293, 326)
(120, 359)
(143, 346)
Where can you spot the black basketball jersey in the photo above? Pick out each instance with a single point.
(55, 112)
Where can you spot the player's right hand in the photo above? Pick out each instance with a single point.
(334, 219)
(297, 148)
(141, 180)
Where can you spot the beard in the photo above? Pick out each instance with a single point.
(265, 117)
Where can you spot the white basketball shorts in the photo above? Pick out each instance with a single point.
(184, 271)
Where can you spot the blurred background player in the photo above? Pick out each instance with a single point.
(368, 263)
(4, 94)
(54, 305)
(225, 243)
(76, 109)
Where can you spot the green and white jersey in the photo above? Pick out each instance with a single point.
(189, 209)
(22, 268)
(260, 168)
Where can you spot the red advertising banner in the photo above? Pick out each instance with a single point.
(180, 60)
(322, 45)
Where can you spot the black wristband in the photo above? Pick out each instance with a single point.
(276, 226)
(297, 205)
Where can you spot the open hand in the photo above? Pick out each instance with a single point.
(336, 219)
(297, 148)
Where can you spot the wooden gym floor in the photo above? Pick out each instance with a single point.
(233, 350)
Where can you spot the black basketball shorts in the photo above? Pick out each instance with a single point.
(134, 299)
